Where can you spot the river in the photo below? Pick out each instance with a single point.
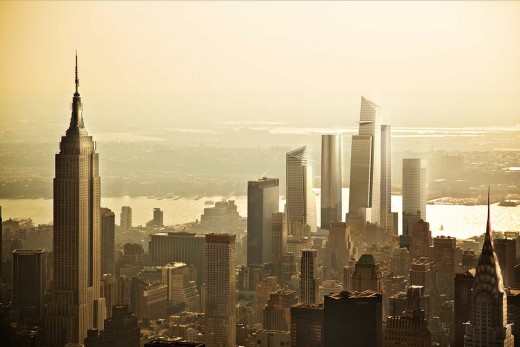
(458, 221)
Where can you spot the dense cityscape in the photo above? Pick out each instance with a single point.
(275, 278)
(259, 174)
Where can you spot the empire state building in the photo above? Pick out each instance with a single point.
(76, 305)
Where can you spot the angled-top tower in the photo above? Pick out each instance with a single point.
(301, 202)
(365, 168)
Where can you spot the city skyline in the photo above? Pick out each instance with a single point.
(290, 227)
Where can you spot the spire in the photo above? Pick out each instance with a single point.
(76, 118)
(77, 79)
(488, 273)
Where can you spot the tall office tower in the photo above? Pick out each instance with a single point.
(123, 328)
(331, 180)
(220, 287)
(279, 236)
(108, 241)
(158, 217)
(420, 274)
(505, 250)
(400, 262)
(262, 294)
(29, 282)
(348, 270)
(420, 239)
(386, 176)
(185, 247)
(76, 306)
(366, 275)
(277, 312)
(338, 249)
(109, 291)
(488, 325)
(462, 303)
(181, 289)
(309, 283)
(411, 327)
(365, 169)
(443, 253)
(263, 199)
(414, 195)
(307, 325)
(353, 319)
(126, 218)
(301, 202)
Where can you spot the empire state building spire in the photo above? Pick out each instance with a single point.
(76, 119)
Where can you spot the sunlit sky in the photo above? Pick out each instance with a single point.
(155, 64)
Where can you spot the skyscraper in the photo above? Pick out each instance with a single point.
(29, 282)
(338, 249)
(353, 319)
(220, 290)
(126, 218)
(301, 202)
(76, 305)
(488, 325)
(462, 303)
(309, 285)
(366, 275)
(414, 195)
(505, 250)
(262, 201)
(331, 180)
(108, 241)
(409, 328)
(278, 236)
(365, 168)
(420, 239)
(158, 217)
(386, 176)
(307, 325)
(183, 246)
(181, 289)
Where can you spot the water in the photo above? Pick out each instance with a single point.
(458, 221)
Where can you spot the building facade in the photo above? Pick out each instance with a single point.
(309, 282)
(414, 195)
(353, 319)
(262, 201)
(220, 291)
(126, 218)
(367, 275)
(183, 247)
(331, 180)
(278, 236)
(29, 276)
(76, 305)
(301, 202)
(365, 168)
(386, 177)
(307, 325)
(108, 241)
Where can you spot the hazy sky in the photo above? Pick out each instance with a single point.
(192, 64)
